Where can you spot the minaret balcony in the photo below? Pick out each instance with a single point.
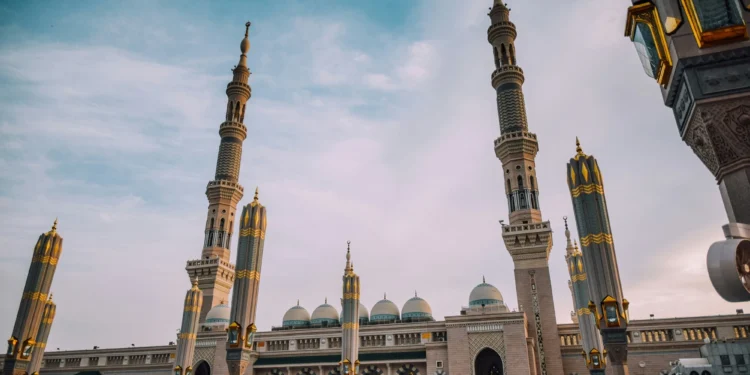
(502, 28)
(233, 129)
(520, 142)
(223, 190)
(507, 73)
(235, 87)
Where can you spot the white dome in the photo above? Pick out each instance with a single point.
(384, 310)
(296, 316)
(218, 316)
(416, 307)
(324, 313)
(485, 294)
(363, 313)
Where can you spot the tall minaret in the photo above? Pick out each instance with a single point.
(570, 250)
(214, 271)
(609, 308)
(188, 331)
(241, 330)
(350, 319)
(21, 344)
(591, 340)
(527, 238)
(42, 335)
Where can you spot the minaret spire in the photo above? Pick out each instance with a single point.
(527, 237)
(189, 330)
(349, 364)
(224, 192)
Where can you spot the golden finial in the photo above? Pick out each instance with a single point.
(483, 282)
(54, 228)
(50, 297)
(384, 297)
(415, 293)
(579, 151)
(326, 300)
(297, 302)
(256, 194)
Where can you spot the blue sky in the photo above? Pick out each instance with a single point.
(370, 121)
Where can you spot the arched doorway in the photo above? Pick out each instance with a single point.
(488, 362)
(202, 368)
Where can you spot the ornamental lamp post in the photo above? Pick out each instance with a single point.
(697, 52)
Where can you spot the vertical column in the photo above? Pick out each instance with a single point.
(188, 331)
(33, 302)
(241, 331)
(607, 304)
(42, 335)
(350, 319)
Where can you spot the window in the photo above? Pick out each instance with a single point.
(740, 359)
(644, 28)
(715, 21)
(439, 364)
(724, 360)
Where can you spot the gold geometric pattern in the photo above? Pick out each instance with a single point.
(597, 239)
(351, 295)
(253, 232)
(583, 311)
(580, 277)
(187, 336)
(350, 325)
(492, 340)
(34, 296)
(247, 274)
(585, 172)
(586, 189)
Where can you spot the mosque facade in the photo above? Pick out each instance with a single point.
(484, 337)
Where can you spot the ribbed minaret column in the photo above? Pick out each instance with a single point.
(591, 340)
(33, 302)
(42, 335)
(188, 331)
(246, 287)
(528, 239)
(350, 319)
(570, 250)
(607, 305)
(214, 271)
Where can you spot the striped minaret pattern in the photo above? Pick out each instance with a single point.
(41, 336)
(528, 238)
(33, 302)
(189, 331)
(246, 283)
(214, 271)
(350, 319)
(591, 340)
(607, 305)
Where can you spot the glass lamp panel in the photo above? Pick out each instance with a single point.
(595, 360)
(716, 14)
(646, 47)
(233, 336)
(27, 350)
(611, 314)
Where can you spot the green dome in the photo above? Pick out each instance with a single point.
(296, 316)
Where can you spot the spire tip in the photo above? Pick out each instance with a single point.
(579, 150)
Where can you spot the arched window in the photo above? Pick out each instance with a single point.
(236, 115)
(693, 372)
(221, 233)
(212, 223)
(532, 194)
(242, 117)
(221, 224)
(509, 188)
(497, 58)
(522, 204)
(705, 373)
(503, 54)
(210, 240)
(229, 111)
(512, 55)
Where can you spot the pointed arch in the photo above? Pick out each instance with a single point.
(202, 368)
(520, 183)
(497, 58)
(488, 362)
(408, 369)
(522, 204)
(512, 53)
(503, 54)
(242, 115)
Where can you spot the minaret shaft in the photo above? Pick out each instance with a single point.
(350, 319)
(607, 305)
(241, 330)
(33, 304)
(42, 335)
(528, 238)
(214, 271)
(188, 331)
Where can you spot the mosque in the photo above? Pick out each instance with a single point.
(484, 337)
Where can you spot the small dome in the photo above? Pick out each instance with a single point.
(245, 44)
(384, 310)
(485, 294)
(416, 307)
(296, 316)
(324, 313)
(218, 315)
(363, 313)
